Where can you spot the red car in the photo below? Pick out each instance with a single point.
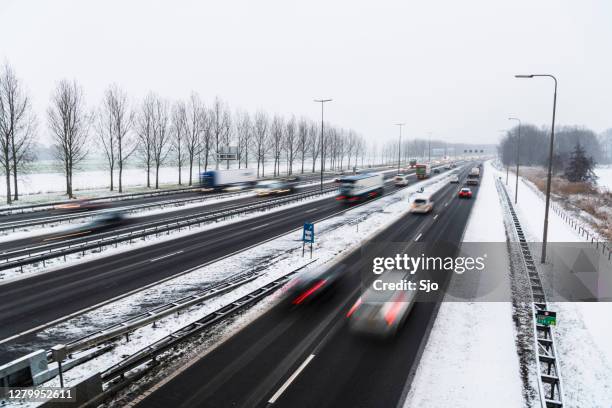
(465, 193)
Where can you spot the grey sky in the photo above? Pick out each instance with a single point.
(440, 66)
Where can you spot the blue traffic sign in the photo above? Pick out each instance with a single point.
(308, 234)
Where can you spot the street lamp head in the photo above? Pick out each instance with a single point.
(323, 100)
(524, 76)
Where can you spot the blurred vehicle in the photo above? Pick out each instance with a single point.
(275, 187)
(82, 205)
(421, 205)
(379, 311)
(436, 171)
(473, 177)
(110, 219)
(465, 192)
(313, 283)
(423, 171)
(401, 180)
(412, 163)
(454, 179)
(360, 187)
(225, 179)
(448, 166)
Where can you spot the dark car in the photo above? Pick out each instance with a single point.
(107, 220)
(436, 171)
(311, 284)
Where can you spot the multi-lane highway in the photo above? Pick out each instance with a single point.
(29, 304)
(306, 356)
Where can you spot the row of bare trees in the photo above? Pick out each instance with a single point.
(156, 132)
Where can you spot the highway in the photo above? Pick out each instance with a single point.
(306, 356)
(31, 303)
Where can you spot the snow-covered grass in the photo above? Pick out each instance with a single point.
(274, 258)
(470, 359)
(583, 330)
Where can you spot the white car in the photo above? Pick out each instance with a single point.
(379, 311)
(401, 180)
(454, 179)
(421, 205)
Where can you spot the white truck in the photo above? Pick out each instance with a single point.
(220, 179)
(360, 187)
(474, 177)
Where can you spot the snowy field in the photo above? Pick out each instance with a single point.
(584, 330)
(274, 258)
(468, 361)
(604, 175)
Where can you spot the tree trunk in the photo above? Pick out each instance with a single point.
(7, 169)
(120, 176)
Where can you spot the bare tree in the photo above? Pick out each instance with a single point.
(178, 132)
(161, 135)
(302, 141)
(276, 138)
(244, 134)
(69, 127)
(145, 131)
(220, 126)
(193, 131)
(291, 143)
(17, 128)
(227, 134)
(314, 135)
(114, 122)
(206, 120)
(260, 135)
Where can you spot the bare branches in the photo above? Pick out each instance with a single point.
(69, 127)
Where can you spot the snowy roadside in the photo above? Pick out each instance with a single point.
(274, 258)
(470, 361)
(583, 330)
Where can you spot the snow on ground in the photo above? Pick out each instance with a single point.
(470, 360)
(274, 258)
(584, 330)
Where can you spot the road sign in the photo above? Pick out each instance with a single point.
(308, 234)
(547, 318)
(227, 156)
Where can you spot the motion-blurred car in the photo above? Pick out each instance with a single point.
(110, 219)
(454, 179)
(82, 205)
(275, 187)
(401, 180)
(436, 171)
(421, 205)
(382, 312)
(311, 284)
(465, 192)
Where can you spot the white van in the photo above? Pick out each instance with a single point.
(421, 205)
(401, 180)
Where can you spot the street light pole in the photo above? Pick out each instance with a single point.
(518, 147)
(399, 149)
(550, 160)
(322, 102)
(429, 148)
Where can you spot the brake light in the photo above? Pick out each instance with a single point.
(354, 307)
(309, 292)
(393, 311)
(340, 198)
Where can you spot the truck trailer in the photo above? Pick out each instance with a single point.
(221, 179)
(474, 177)
(360, 187)
(423, 171)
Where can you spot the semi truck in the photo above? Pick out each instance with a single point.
(423, 171)
(413, 163)
(222, 179)
(474, 176)
(360, 187)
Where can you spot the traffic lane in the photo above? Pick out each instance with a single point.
(84, 232)
(355, 371)
(243, 363)
(31, 302)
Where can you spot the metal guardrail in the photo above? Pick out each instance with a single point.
(177, 224)
(550, 385)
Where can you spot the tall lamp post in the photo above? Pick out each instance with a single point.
(550, 160)
(399, 147)
(518, 147)
(322, 102)
(507, 166)
(429, 148)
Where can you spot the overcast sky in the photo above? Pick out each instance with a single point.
(444, 67)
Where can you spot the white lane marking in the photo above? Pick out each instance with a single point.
(418, 236)
(259, 226)
(446, 204)
(436, 216)
(290, 380)
(311, 210)
(166, 256)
